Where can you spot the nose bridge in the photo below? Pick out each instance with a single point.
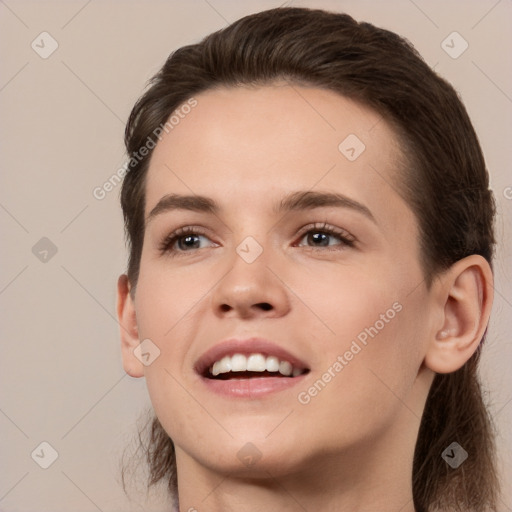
(250, 288)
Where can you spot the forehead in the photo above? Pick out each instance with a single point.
(253, 144)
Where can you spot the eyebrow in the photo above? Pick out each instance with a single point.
(300, 200)
(193, 203)
(308, 200)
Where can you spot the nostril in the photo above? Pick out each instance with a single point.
(264, 306)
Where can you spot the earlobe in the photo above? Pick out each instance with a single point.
(465, 295)
(128, 327)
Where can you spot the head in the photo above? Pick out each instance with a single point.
(286, 117)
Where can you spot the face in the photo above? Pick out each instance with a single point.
(276, 243)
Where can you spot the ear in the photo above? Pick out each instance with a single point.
(464, 296)
(129, 331)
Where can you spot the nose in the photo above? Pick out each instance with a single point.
(250, 290)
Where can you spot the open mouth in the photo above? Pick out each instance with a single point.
(257, 365)
(251, 368)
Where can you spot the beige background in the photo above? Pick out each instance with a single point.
(61, 136)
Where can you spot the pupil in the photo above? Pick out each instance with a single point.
(320, 239)
(189, 241)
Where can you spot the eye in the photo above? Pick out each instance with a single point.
(185, 240)
(326, 236)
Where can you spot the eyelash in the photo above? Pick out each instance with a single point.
(322, 227)
(169, 241)
(345, 237)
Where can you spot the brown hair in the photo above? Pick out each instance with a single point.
(445, 183)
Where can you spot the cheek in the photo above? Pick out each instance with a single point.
(345, 302)
(367, 336)
(364, 386)
(166, 303)
(167, 296)
(171, 308)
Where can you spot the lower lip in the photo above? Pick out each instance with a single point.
(254, 387)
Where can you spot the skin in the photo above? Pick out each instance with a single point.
(351, 447)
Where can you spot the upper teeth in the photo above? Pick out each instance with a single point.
(253, 363)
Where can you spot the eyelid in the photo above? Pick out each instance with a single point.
(169, 240)
(324, 227)
(165, 245)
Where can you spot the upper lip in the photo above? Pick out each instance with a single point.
(246, 346)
